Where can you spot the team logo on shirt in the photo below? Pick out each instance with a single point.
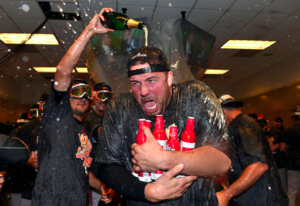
(83, 152)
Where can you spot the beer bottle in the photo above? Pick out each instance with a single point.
(188, 137)
(119, 21)
(173, 143)
(141, 139)
(161, 136)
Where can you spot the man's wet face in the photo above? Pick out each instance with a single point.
(152, 91)
(79, 106)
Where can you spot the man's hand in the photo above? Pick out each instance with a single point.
(148, 156)
(107, 196)
(95, 24)
(168, 186)
(223, 198)
(32, 162)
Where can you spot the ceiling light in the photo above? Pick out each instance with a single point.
(19, 38)
(216, 71)
(53, 69)
(247, 44)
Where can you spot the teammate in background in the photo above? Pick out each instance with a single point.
(253, 179)
(93, 121)
(275, 137)
(291, 144)
(65, 148)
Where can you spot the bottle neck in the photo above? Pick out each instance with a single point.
(190, 124)
(159, 122)
(142, 123)
(173, 133)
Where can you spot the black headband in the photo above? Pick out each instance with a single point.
(152, 68)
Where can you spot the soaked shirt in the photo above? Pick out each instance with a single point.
(292, 139)
(120, 128)
(92, 121)
(251, 146)
(64, 155)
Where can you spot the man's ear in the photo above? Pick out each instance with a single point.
(170, 78)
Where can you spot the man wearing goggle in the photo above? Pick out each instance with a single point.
(93, 121)
(65, 149)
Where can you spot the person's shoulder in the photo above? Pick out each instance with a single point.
(193, 84)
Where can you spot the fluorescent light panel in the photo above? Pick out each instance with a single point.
(53, 69)
(216, 71)
(247, 44)
(37, 39)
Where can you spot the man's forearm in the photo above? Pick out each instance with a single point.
(249, 177)
(70, 59)
(202, 161)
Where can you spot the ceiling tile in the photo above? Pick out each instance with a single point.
(275, 34)
(18, 9)
(236, 18)
(140, 3)
(176, 4)
(291, 22)
(214, 4)
(163, 13)
(138, 12)
(3, 15)
(201, 17)
(266, 20)
(284, 7)
(29, 26)
(249, 33)
(250, 5)
(7, 26)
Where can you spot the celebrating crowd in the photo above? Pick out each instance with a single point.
(83, 147)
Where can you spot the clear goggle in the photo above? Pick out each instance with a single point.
(104, 95)
(81, 90)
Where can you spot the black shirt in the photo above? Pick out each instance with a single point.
(274, 137)
(292, 139)
(64, 150)
(120, 127)
(92, 121)
(251, 146)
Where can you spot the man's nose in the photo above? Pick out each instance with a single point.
(144, 90)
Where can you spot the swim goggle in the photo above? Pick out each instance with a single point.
(104, 95)
(81, 90)
(34, 113)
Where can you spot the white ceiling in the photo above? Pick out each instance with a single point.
(226, 19)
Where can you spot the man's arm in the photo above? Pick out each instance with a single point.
(202, 161)
(106, 194)
(166, 187)
(249, 177)
(63, 73)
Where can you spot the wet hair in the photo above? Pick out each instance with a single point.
(253, 115)
(278, 120)
(101, 86)
(78, 81)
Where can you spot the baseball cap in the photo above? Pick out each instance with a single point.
(228, 101)
(296, 112)
(153, 56)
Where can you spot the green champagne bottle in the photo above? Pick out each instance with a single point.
(119, 21)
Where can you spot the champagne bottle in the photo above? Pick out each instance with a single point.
(119, 21)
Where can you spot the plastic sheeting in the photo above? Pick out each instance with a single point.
(188, 48)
